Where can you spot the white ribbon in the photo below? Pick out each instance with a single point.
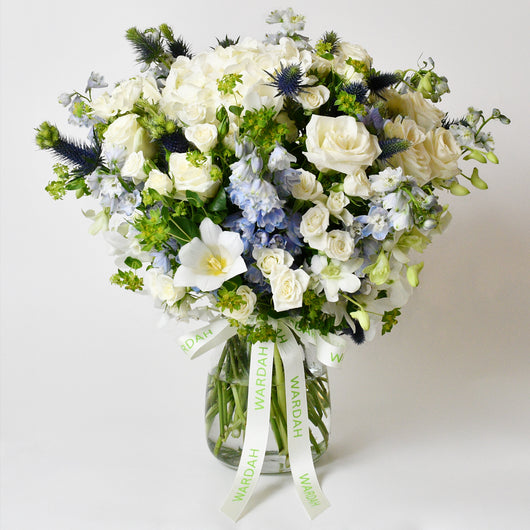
(207, 337)
(300, 456)
(256, 430)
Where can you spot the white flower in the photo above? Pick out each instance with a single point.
(308, 188)
(126, 132)
(159, 182)
(335, 275)
(207, 262)
(356, 184)
(339, 245)
(189, 177)
(414, 106)
(134, 167)
(247, 306)
(312, 98)
(444, 153)
(161, 286)
(267, 259)
(336, 202)
(150, 90)
(387, 180)
(203, 136)
(341, 144)
(313, 226)
(288, 287)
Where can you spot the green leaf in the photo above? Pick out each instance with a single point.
(133, 263)
(233, 283)
(183, 229)
(75, 184)
(390, 320)
(194, 199)
(235, 109)
(218, 203)
(328, 56)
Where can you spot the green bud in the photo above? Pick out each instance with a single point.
(362, 317)
(492, 157)
(413, 274)
(476, 155)
(477, 181)
(380, 270)
(425, 86)
(458, 189)
(47, 135)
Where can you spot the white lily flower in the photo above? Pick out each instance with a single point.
(207, 262)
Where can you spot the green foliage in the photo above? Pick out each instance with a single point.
(359, 66)
(133, 263)
(47, 135)
(147, 45)
(128, 280)
(195, 158)
(312, 317)
(229, 300)
(153, 120)
(153, 230)
(56, 189)
(327, 45)
(183, 229)
(260, 127)
(390, 320)
(227, 83)
(348, 104)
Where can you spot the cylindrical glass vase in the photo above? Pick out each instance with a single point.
(226, 406)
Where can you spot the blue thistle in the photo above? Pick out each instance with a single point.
(227, 41)
(392, 146)
(83, 158)
(148, 46)
(179, 47)
(377, 81)
(175, 142)
(359, 90)
(447, 122)
(357, 335)
(288, 80)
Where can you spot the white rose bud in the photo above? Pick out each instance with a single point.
(356, 184)
(288, 287)
(336, 202)
(202, 135)
(313, 226)
(340, 245)
(308, 188)
(444, 153)
(247, 306)
(312, 98)
(159, 182)
(134, 167)
(267, 259)
(189, 177)
(341, 144)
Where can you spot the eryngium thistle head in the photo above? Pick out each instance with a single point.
(377, 82)
(227, 41)
(179, 47)
(147, 46)
(288, 80)
(392, 146)
(329, 42)
(359, 90)
(175, 142)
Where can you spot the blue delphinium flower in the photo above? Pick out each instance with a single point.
(161, 260)
(237, 223)
(128, 202)
(399, 210)
(376, 223)
(285, 180)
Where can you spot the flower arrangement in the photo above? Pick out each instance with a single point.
(277, 187)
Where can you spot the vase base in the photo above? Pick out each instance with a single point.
(273, 464)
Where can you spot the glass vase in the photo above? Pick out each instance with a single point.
(226, 406)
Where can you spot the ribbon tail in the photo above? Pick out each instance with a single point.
(207, 337)
(300, 456)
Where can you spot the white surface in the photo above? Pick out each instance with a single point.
(102, 416)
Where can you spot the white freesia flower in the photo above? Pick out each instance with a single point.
(161, 286)
(341, 144)
(356, 184)
(203, 136)
(335, 275)
(159, 182)
(288, 287)
(247, 306)
(207, 262)
(313, 226)
(267, 259)
(190, 177)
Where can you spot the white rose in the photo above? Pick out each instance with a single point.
(246, 307)
(267, 259)
(356, 184)
(336, 202)
(150, 90)
(417, 108)
(161, 286)
(126, 94)
(308, 188)
(339, 245)
(159, 182)
(345, 51)
(341, 144)
(189, 177)
(444, 153)
(202, 135)
(261, 95)
(312, 98)
(313, 226)
(126, 132)
(103, 107)
(288, 287)
(134, 167)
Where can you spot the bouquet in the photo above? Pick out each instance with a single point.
(279, 191)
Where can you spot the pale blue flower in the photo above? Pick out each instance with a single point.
(376, 223)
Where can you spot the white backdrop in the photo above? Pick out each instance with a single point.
(102, 424)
